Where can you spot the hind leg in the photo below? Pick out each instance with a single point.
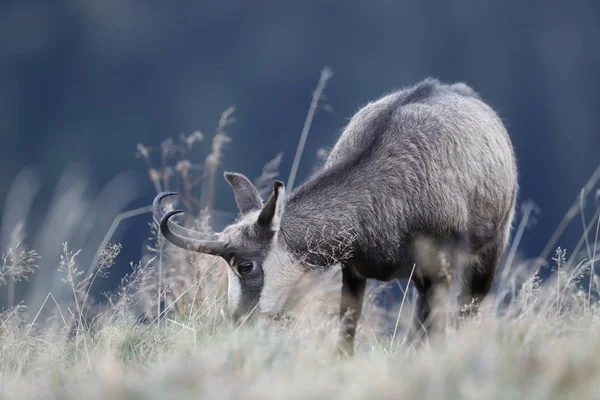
(430, 313)
(435, 260)
(477, 280)
(353, 290)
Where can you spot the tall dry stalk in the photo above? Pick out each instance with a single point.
(326, 74)
(214, 159)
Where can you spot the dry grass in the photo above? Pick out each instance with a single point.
(542, 345)
(164, 334)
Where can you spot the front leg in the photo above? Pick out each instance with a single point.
(353, 290)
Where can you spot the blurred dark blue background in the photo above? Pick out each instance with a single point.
(85, 81)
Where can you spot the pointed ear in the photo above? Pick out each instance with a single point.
(270, 216)
(247, 197)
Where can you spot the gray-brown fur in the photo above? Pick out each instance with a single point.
(425, 172)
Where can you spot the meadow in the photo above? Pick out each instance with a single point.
(165, 333)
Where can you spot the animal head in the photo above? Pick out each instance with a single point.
(261, 271)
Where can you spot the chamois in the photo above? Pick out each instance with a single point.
(422, 181)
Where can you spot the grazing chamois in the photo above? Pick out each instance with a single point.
(422, 181)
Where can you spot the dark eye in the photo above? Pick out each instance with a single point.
(245, 267)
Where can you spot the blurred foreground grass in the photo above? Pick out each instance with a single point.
(542, 344)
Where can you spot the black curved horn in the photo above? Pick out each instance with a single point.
(213, 246)
(159, 214)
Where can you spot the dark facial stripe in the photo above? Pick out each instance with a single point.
(251, 286)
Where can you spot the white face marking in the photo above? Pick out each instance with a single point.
(281, 274)
(234, 291)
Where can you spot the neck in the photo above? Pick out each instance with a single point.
(317, 225)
